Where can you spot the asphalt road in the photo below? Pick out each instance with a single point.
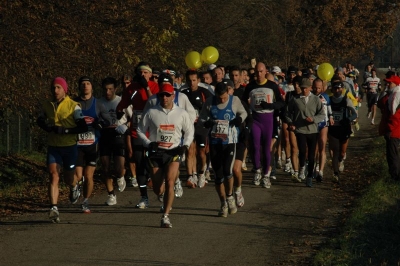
(282, 225)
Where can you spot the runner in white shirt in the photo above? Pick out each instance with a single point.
(165, 124)
(373, 86)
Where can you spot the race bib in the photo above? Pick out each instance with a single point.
(337, 117)
(260, 97)
(165, 135)
(136, 117)
(220, 130)
(197, 115)
(87, 138)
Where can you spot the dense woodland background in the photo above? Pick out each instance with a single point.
(43, 39)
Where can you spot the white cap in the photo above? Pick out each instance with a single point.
(212, 66)
(276, 69)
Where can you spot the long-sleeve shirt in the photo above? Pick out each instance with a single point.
(165, 126)
(300, 108)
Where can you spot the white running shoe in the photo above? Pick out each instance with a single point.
(341, 166)
(207, 174)
(279, 164)
(257, 177)
(295, 177)
(231, 205)
(302, 174)
(165, 222)
(288, 167)
(266, 182)
(223, 212)
(134, 182)
(143, 203)
(369, 114)
(54, 215)
(244, 166)
(74, 194)
(192, 181)
(111, 200)
(178, 188)
(202, 181)
(85, 207)
(239, 199)
(121, 184)
(372, 122)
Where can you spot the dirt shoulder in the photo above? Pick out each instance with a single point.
(284, 225)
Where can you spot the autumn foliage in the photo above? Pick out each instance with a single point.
(44, 39)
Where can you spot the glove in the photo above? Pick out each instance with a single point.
(41, 121)
(120, 114)
(266, 105)
(121, 129)
(209, 123)
(58, 130)
(143, 82)
(98, 125)
(236, 122)
(153, 147)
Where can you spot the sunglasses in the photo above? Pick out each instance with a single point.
(162, 95)
(155, 77)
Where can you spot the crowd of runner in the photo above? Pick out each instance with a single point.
(213, 124)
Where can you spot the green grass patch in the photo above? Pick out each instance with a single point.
(371, 235)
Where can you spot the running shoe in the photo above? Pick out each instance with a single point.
(279, 164)
(319, 177)
(121, 184)
(369, 115)
(239, 199)
(295, 177)
(207, 174)
(257, 177)
(80, 184)
(302, 174)
(266, 182)
(161, 197)
(85, 207)
(134, 182)
(341, 166)
(202, 181)
(223, 212)
(231, 205)
(309, 181)
(372, 122)
(317, 167)
(191, 182)
(288, 166)
(111, 200)
(54, 215)
(165, 222)
(272, 175)
(178, 188)
(244, 166)
(357, 126)
(335, 178)
(74, 194)
(143, 203)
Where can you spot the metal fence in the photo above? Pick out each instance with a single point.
(17, 134)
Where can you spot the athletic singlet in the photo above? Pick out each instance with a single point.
(92, 135)
(373, 84)
(221, 132)
(111, 107)
(339, 110)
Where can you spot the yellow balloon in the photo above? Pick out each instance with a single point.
(325, 71)
(193, 60)
(209, 55)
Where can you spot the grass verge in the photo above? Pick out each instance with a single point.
(371, 234)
